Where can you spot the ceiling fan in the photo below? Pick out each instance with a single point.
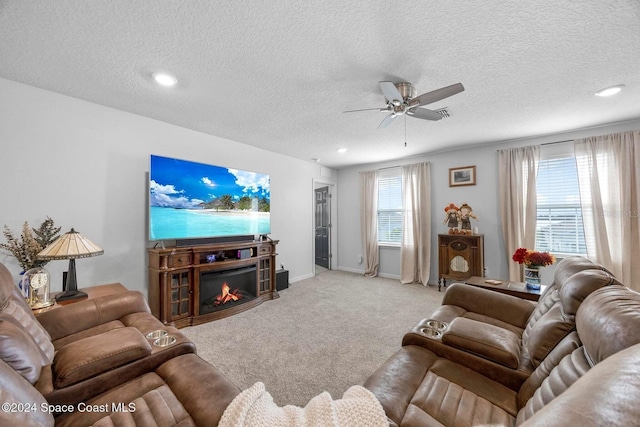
(401, 99)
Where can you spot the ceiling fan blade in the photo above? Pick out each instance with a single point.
(423, 113)
(387, 121)
(391, 92)
(436, 95)
(366, 109)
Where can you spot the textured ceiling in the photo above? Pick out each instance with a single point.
(278, 75)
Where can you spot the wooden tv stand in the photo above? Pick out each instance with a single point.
(174, 278)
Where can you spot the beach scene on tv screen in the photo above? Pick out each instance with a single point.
(195, 200)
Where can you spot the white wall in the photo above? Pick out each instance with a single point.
(86, 166)
(483, 198)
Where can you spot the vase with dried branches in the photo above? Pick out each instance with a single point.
(29, 243)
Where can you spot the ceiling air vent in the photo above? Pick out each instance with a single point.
(443, 112)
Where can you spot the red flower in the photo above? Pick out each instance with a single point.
(533, 258)
(519, 255)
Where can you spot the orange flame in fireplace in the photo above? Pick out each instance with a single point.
(227, 295)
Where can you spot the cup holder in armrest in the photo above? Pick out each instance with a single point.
(165, 341)
(433, 328)
(431, 332)
(437, 325)
(154, 335)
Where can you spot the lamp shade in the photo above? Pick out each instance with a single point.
(70, 245)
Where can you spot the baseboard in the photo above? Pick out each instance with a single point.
(350, 270)
(299, 278)
(384, 275)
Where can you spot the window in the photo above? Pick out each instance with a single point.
(559, 226)
(390, 207)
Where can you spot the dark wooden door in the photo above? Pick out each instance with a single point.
(323, 227)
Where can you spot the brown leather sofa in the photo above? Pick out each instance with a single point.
(504, 337)
(101, 343)
(91, 362)
(590, 378)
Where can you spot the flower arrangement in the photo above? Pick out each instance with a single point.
(30, 243)
(533, 258)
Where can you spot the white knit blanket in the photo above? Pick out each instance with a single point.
(255, 407)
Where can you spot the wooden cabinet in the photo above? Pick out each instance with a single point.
(174, 278)
(460, 257)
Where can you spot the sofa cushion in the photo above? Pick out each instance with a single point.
(607, 395)
(184, 391)
(607, 323)
(415, 387)
(566, 268)
(495, 322)
(550, 328)
(485, 340)
(24, 402)
(569, 266)
(533, 382)
(580, 286)
(89, 332)
(91, 356)
(12, 304)
(18, 350)
(604, 321)
(570, 368)
(546, 333)
(488, 303)
(89, 313)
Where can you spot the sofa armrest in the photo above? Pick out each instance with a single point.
(76, 317)
(491, 342)
(92, 356)
(507, 308)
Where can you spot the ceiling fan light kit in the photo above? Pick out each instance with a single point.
(401, 99)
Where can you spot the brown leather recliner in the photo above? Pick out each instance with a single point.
(86, 348)
(97, 351)
(504, 337)
(591, 378)
(101, 343)
(183, 391)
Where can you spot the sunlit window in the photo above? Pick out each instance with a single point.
(559, 226)
(390, 207)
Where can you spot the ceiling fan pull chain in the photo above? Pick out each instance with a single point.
(405, 130)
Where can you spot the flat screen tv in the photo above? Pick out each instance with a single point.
(189, 200)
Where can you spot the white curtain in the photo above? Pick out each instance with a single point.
(609, 178)
(415, 248)
(369, 221)
(517, 169)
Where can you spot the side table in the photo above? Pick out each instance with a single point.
(92, 292)
(517, 289)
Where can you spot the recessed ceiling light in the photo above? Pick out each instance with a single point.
(341, 150)
(164, 79)
(608, 91)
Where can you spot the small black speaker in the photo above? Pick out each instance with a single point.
(282, 279)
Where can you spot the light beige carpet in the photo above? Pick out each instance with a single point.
(326, 333)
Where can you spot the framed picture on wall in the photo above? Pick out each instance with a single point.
(465, 175)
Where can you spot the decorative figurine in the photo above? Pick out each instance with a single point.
(466, 213)
(451, 218)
